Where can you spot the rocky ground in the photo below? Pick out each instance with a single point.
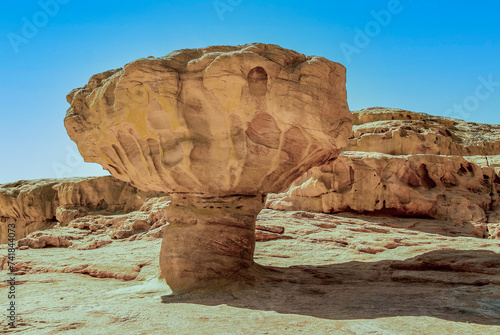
(323, 273)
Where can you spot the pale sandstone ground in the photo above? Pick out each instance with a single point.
(338, 274)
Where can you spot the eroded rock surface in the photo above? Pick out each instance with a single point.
(40, 204)
(221, 120)
(334, 273)
(400, 132)
(218, 128)
(209, 241)
(441, 187)
(416, 169)
(98, 228)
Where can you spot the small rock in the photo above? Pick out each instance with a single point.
(303, 215)
(270, 228)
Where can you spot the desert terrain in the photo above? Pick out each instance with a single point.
(240, 178)
(325, 273)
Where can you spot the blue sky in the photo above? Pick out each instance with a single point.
(437, 57)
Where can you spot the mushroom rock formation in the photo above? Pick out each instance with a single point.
(218, 128)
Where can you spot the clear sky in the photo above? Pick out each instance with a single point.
(437, 57)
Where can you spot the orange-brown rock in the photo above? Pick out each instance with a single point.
(39, 204)
(409, 164)
(209, 242)
(221, 120)
(28, 205)
(401, 132)
(442, 187)
(218, 128)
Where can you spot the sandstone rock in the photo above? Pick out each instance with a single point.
(157, 208)
(410, 164)
(209, 241)
(91, 229)
(370, 273)
(27, 204)
(28, 200)
(300, 215)
(247, 119)
(156, 232)
(218, 128)
(40, 240)
(401, 132)
(93, 243)
(270, 228)
(441, 187)
(265, 233)
(264, 236)
(118, 226)
(494, 230)
(39, 204)
(101, 193)
(67, 214)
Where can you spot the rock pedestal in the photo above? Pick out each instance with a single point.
(209, 241)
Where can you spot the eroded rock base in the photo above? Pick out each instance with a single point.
(209, 242)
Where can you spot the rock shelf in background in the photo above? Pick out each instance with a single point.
(40, 204)
(407, 164)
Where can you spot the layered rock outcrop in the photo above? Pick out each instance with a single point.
(218, 128)
(441, 187)
(420, 167)
(40, 204)
(400, 132)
